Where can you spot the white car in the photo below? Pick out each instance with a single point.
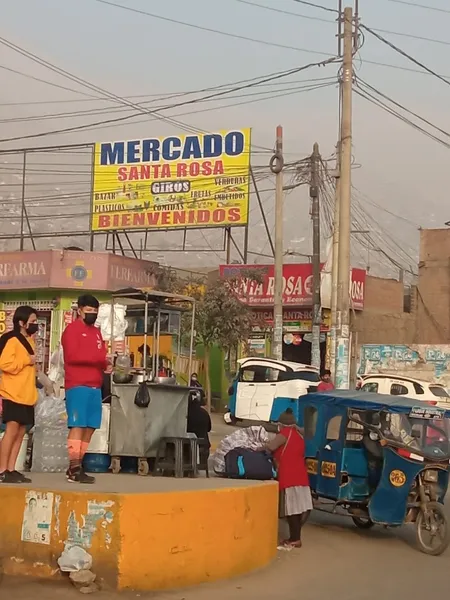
(397, 385)
(264, 388)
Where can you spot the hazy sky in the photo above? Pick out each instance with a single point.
(400, 169)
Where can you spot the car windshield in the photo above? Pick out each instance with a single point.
(305, 376)
(428, 437)
(439, 391)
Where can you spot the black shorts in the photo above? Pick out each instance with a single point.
(17, 413)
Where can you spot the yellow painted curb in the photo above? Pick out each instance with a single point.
(142, 541)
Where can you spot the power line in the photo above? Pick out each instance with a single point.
(104, 111)
(313, 5)
(333, 22)
(404, 54)
(151, 97)
(425, 6)
(401, 106)
(157, 114)
(382, 208)
(392, 112)
(285, 12)
(56, 85)
(208, 29)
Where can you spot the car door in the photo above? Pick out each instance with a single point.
(245, 391)
(265, 392)
(330, 453)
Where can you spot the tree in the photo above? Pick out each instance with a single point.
(222, 315)
(222, 318)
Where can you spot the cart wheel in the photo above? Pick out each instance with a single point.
(115, 465)
(143, 468)
(363, 523)
(432, 530)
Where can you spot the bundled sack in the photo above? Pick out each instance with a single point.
(242, 463)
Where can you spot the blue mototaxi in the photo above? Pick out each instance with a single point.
(383, 460)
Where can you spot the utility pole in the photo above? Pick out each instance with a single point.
(343, 300)
(335, 264)
(276, 166)
(315, 216)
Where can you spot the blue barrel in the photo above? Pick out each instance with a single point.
(128, 464)
(96, 463)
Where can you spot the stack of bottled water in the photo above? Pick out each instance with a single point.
(50, 436)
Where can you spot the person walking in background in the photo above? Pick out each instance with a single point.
(17, 389)
(326, 385)
(85, 362)
(288, 448)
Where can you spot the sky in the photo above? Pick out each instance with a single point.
(401, 175)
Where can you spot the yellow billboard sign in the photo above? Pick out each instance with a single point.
(172, 182)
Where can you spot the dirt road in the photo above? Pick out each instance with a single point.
(337, 561)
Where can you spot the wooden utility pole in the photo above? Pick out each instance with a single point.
(315, 216)
(276, 166)
(343, 300)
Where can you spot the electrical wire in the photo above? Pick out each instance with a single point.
(313, 5)
(157, 114)
(56, 85)
(333, 22)
(208, 29)
(285, 12)
(425, 6)
(104, 111)
(417, 116)
(404, 54)
(394, 113)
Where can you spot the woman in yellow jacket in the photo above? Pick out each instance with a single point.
(17, 389)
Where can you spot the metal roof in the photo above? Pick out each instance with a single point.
(368, 401)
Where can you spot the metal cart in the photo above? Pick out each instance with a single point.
(135, 431)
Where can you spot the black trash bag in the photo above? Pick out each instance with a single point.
(142, 397)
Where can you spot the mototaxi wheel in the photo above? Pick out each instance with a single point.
(432, 530)
(362, 523)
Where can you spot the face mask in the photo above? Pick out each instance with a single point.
(90, 318)
(32, 328)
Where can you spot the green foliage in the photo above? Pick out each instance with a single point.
(222, 319)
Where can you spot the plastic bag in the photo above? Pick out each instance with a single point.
(56, 370)
(50, 412)
(74, 559)
(142, 397)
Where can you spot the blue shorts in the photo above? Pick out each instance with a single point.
(84, 407)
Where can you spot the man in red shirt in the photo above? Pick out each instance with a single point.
(85, 362)
(326, 385)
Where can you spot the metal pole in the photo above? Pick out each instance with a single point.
(263, 214)
(22, 216)
(315, 215)
(343, 307)
(246, 244)
(191, 346)
(92, 240)
(144, 351)
(158, 335)
(228, 244)
(335, 265)
(276, 166)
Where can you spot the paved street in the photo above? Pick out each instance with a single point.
(337, 561)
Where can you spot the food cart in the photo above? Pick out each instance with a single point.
(136, 431)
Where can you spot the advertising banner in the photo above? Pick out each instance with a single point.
(172, 182)
(297, 285)
(294, 320)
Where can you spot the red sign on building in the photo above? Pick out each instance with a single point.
(297, 285)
